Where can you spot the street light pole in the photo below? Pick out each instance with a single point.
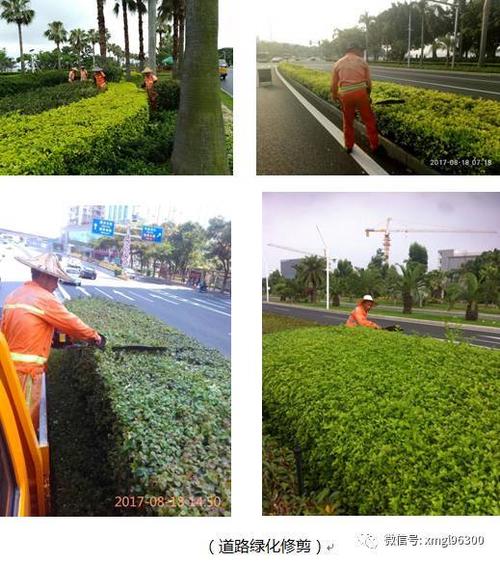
(327, 260)
(455, 33)
(484, 31)
(409, 35)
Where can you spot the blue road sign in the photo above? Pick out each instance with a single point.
(152, 234)
(103, 227)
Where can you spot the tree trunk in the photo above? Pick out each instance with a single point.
(141, 40)
(58, 56)
(152, 34)
(335, 300)
(407, 303)
(20, 33)
(127, 42)
(101, 25)
(199, 146)
(471, 313)
(182, 28)
(175, 42)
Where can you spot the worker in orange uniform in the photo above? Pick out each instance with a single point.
(84, 75)
(72, 74)
(150, 79)
(351, 86)
(30, 315)
(359, 317)
(100, 78)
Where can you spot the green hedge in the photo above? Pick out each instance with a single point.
(23, 82)
(430, 125)
(169, 93)
(76, 139)
(48, 97)
(388, 423)
(161, 421)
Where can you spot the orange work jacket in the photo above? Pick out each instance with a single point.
(100, 79)
(30, 315)
(350, 73)
(149, 81)
(359, 317)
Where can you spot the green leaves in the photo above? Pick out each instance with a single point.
(394, 424)
(161, 421)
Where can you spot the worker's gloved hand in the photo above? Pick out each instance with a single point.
(101, 343)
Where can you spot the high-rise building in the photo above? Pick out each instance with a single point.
(81, 215)
(287, 268)
(450, 259)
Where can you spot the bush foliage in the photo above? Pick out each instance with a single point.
(430, 125)
(161, 421)
(13, 84)
(388, 423)
(76, 139)
(43, 99)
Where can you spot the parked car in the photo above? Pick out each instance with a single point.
(130, 273)
(88, 273)
(73, 281)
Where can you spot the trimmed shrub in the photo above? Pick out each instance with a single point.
(76, 139)
(23, 82)
(440, 129)
(161, 421)
(169, 93)
(43, 99)
(388, 423)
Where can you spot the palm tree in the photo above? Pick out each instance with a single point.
(56, 32)
(101, 26)
(199, 146)
(152, 33)
(125, 6)
(78, 40)
(471, 289)
(366, 20)
(20, 13)
(93, 38)
(311, 274)
(141, 10)
(411, 283)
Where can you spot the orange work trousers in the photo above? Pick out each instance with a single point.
(31, 385)
(358, 100)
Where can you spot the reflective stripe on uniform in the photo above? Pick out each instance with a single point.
(29, 308)
(28, 358)
(353, 87)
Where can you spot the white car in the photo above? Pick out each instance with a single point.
(129, 273)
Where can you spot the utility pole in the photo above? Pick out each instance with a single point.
(409, 35)
(422, 46)
(484, 31)
(327, 260)
(455, 33)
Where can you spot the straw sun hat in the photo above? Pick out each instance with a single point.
(47, 264)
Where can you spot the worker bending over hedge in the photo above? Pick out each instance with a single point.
(359, 317)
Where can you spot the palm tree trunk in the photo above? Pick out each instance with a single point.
(175, 45)
(101, 24)
(471, 313)
(20, 33)
(58, 55)
(152, 34)
(407, 303)
(141, 41)
(199, 146)
(182, 27)
(127, 42)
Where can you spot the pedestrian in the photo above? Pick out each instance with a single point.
(351, 85)
(30, 315)
(84, 75)
(72, 74)
(359, 317)
(150, 79)
(100, 79)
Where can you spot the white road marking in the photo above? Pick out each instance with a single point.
(123, 295)
(104, 293)
(366, 162)
(138, 295)
(490, 337)
(64, 293)
(210, 302)
(210, 309)
(181, 299)
(436, 84)
(84, 291)
(163, 299)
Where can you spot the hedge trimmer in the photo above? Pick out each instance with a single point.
(63, 341)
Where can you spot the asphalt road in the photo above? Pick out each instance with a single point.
(480, 85)
(480, 337)
(227, 85)
(290, 140)
(203, 316)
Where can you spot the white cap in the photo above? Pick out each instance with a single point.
(368, 298)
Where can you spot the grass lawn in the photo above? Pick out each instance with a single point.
(226, 99)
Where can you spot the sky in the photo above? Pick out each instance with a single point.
(286, 21)
(47, 215)
(83, 14)
(290, 219)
